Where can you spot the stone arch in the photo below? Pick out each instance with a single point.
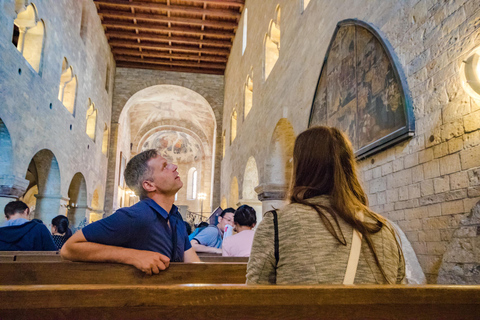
(77, 203)
(11, 187)
(44, 173)
(250, 180)
(6, 151)
(279, 165)
(233, 198)
(161, 108)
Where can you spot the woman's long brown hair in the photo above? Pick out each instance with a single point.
(323, 164)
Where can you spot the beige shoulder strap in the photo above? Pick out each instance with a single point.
(354, 255)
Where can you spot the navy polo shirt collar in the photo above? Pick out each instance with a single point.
(155, 206)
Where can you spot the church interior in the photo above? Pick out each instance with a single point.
(221, 88)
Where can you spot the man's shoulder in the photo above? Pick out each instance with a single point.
(210, 231)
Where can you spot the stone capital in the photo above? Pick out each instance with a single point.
(50, 196)
(12, 186)
(271, 191)
(249, 202)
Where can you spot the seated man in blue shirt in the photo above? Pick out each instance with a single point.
(147, 235)
(210, 238)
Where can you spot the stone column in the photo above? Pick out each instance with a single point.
(272, 196)
(48, 207)
(11, 188)
(255, 204)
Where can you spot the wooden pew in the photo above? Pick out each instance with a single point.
(54, 256)
(221, 259)
(46, 273)
(239, 302)
(32, 256)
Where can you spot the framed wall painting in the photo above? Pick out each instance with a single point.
(362, 90)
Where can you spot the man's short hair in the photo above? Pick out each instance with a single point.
(225, 211)
(14, 207)
(138, 170)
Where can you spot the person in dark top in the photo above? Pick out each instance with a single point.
(60, 230)
(20, 234)
(147, 235)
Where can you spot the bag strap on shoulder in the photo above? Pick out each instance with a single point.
(276, 241)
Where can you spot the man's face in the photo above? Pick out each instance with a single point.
(165, 176)
(227, 219)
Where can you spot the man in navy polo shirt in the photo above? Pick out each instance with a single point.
(147, 235)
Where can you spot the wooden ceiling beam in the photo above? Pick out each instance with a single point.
(163, 7)
(159, 18)
(157, 54)
(181, 30)
(156, 46)
(154, 37)
(123, 64)
(236, 3)
(171, 63)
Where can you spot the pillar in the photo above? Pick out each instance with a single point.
(272, 196)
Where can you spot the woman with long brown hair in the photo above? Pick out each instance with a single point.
(327, 234)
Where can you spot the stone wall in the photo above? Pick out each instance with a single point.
(30, 108)
(426, 184)
(130, 81)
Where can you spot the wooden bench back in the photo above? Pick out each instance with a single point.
(44, 273)
(239, 302)
(54, 256)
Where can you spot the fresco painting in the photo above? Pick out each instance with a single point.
(359, 91)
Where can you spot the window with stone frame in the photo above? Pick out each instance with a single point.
(28, 36)
(272, 44)
(68, 87)
(91, 119)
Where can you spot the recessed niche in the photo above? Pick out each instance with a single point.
(51, 105)
(71, 127)
(19, 71)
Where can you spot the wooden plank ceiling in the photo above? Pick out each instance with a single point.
(172, 35)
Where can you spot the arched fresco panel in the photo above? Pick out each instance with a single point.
(362, 91)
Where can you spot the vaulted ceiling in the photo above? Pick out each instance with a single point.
(172, 35)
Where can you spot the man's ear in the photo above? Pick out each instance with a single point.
(148, 185)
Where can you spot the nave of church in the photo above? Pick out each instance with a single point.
(221, 88)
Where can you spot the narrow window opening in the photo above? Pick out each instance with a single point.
(91, 120)
(244, 38)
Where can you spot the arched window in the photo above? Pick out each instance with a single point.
(28, 36)
(91, 119)
(244, 38)
(233, 126)
(68, 87)
(192, 184)
(248, 96)
(305, 4)
(272, 44)
(105, 141)
(223, 143)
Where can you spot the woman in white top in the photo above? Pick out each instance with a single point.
(240, 244)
